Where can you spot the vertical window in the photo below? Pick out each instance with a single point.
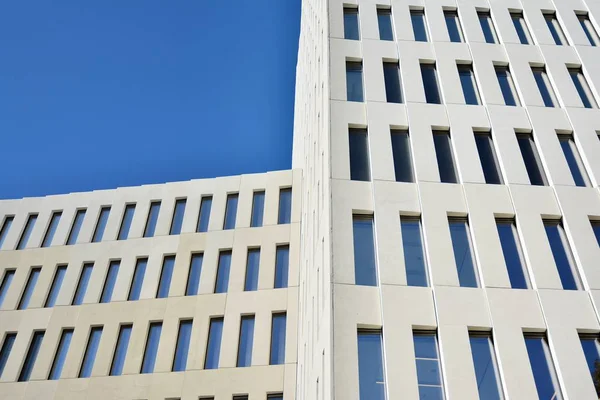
(463, 252)
(595, 228)
(414, 254)
(507, 86)
(430, 83)
(278, 339)
(27, 231)
(588, 29)
(9, 274)
(587, 98)
(468, 83)
(555, 29)
(544, 86)
(9, 341)
(487, 157)
(351, 30)
(165, 277)
(445, 156)
(401, 151)
(419, 25)
(486, 367)
(354, 81)
(49, 235)
(285, 206)
(258, 209)
(193, 281)
(542, 367)
(591, 350)
(365, 267)
(177, 220)
(213, 347)
(152, 219)
(244, 358)
(61, 354)
(561, 250)
(204, 215)
(282, 266)
(5, 228)
(574, 161)
(371, 377)
(90, 352)
(151, 349)
(487, 26)
(532, 160)
(183, 345)
(384, 19)
(454, 27)
(82, 284)
(513, 254)
(32, 353)
(521, 27)
(252, 264)
(223, 271)
(230, 211)
(101, 224)
(116, 367)
(109, 282)
(391, 75)
(59, 276)
(76, 227)
(126, 221)
(427, 359)
(138, 279)
(360, 169)
(29, 288)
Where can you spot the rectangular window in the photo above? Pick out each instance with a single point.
(563, 257)
(544, 86)
(360, 169)
(351, 30)
(258, 209)
(27, 231)
(223, 271)
(588, 29)
(5, 228)
(101, 224)
(507, 86)
(574, 161)
(278, 339)
(430, 84)
(585, 94)
(109, 282)
(9, 341)
(419, 25)
(61, 354)
(152, 219)
(591, 350)
(521, 27)
(463, 252)
(414, 254)
(138, 279)
(126, 221)
(595, 228)
(59, 276)
(513, 254)
(532, 160)
(116, 367)
(487, 157)
(204, 215)
(165, 277)
(384, 19)
(401, 150)
(371, 377)
(193, 281)
(555, 29)
(49, 235)
(278, 396)
(213, 347)
(542, 367)
(7, 279)
(32, 353)
(76, 227)
(445, 156)
(365, 267)
(487, 26)
(427, 359)
(453, 25)
(285, 206)
(82, 284)
(183, 345)
(468, 83)
(34, 274)
(391, 75)
(252, 264)
(244, 358)
(230, 211)
(354, 81)
(90, 352)
(486, 367)
(282, 266)
(151, 350)
(177, 220)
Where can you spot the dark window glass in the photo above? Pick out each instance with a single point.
(542, 367)
(138, 279)
(59, 276)
(513, 254)
(430, 83)
(230, 211)
(414, 254)
(151, 349)
(223, 271)
(193, 281)
(76, 227)
(5, 228)
(34, 274)
(177, 220)
(7, 279)
(252, 263)
(561, 250)
(468, 83)
(282, 265)
(463, 252)
(165, 277)
(111, 280)
(84, 279)
(429, 373)
(203, 218)
(544, 86)
(360, 169)
(118, 361)
(285, 206)
(507, 86)
(391, 75)
(152, 219)
(532, 161)
(365, 267)
(487, 26)
(126, 221)
(588, 29)
(384, 18)
(183, 345)
(101, 224)
(587, 98)
(419, 25)
(31, 219)
(278, 339)
(61, 354)
(488, 159)
(486, 367)
(555, 29)
(49, 235)
(595, 227)
(213, 348)
(354, 81)
(371, 377)
(244, 358)
(32, 353)
(351, 30)
(278, 396)
(402, 156)
(9, 341)
(258, 209)
(90, 352)
(521, 28)
(589, 344)
(574, 161)
(453, 25)
(445, 156)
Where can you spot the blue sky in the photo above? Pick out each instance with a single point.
(103, 94)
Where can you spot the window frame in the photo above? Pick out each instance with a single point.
(461, 69)
(519, 23)
(486, 17)
(454, 15)
(51, 228)
(519, 249)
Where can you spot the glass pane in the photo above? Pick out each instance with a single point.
(5, 228)
(582, 88)
(453, 25)
(402, 156)
(101, 224)
(573, 160)
(194, 275)
(278, 339)
(419, 25)
(430, 84)
(246, 340)
(562, 255)
(521, 28)
(351, 30)
(425, 346)
(431, 393)
(165, 277)
(428, 372)
(486, 369)
(84, 279)
(121, 350)
(595, 227)
(360, 169)
(542, 368)
(542, 83)
(223, 272)
(487, 157)
(111, 279)
(152, 219)
(590, 350)
(391, 75)
(29, 287)
(183, 345)
(61, 354)
(285, 206)
(214, 343)
(414, 256)
(354, 82)
(445, 157)
(282, 262)
(205, 206)
(554, 28)
(258, 208)
(151, 350)
(77, 223)
(463, 253)
(138, 279)
(370, 366)
(487, 26)
(7, 345)
(178, 217)
(365, 269)
(9, 274)
(231, 211)
(126, 221)
(506, 86)
(90, 352)
(32, 353)
(59, 276)
(469, 87)
(384, 18)
(27, 231)
(513, 256)
(531, 160)
(54, 220)
(588, 29)
(252, 263)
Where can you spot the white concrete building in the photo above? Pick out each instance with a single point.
(442, 231)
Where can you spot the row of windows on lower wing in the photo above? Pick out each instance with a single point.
(417, 274)
(180, 358)
(258, 206)
(110, 279)
(487, 372)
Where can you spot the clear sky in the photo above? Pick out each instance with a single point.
(103, 94)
